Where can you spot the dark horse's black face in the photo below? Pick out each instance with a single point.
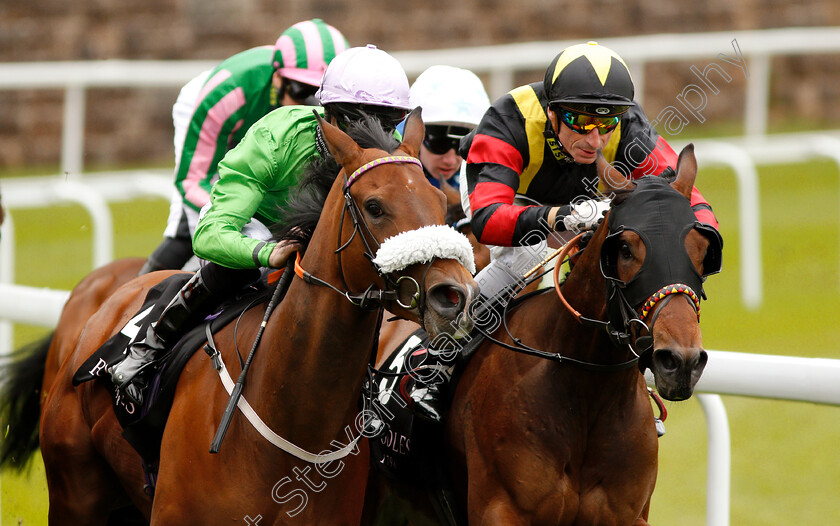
(656, 250)
(662, 218)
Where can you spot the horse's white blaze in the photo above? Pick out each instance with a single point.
(422, 245)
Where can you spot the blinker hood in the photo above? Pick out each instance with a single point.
(662, 217)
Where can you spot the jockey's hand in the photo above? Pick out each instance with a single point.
(586, 214)
(281, 252)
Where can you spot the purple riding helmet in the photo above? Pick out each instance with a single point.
(365, 79)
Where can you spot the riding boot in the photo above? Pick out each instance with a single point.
(192, 303)
(429, 385)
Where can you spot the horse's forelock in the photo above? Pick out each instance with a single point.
(368, 133)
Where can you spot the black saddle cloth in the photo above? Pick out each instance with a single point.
(143, 426)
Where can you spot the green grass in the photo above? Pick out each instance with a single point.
(784, 466)
(54, 248)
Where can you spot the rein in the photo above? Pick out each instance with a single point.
(619, 338)
(520, 347)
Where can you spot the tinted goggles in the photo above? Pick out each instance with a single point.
(583, 123)
(298, 90)
(440, 139)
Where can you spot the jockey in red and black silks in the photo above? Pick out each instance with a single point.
(515, 151)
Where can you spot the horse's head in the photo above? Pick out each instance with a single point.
(392, 231)
(655, 257)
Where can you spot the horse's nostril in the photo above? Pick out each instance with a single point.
(666, 360)
(448, 297)
(700, 362)
(452, 296)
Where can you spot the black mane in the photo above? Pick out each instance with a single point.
(300, 215)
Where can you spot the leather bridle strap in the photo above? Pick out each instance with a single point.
(368, 300)
(676, 288)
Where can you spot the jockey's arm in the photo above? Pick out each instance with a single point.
(642, 139)
(244, 180)
(254, 182)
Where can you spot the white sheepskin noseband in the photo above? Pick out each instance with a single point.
(421, 246)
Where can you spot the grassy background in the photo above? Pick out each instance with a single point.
(785, 469)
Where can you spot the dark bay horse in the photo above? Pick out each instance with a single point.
(562, 432)
(304, 384)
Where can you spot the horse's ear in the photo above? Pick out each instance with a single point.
(686, 171)
(341, 146)
(609, 176)
(413, 133)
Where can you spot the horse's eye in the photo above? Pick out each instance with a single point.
(373, 208)
(625, 251)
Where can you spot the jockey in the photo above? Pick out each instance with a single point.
(215, 109)
(530, 165)
(453, 102)
(254, 182)
(540, 141)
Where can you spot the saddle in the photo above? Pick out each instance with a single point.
(143, 426)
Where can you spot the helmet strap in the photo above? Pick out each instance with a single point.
(561, 155)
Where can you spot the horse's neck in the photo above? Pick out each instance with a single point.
(324, 342)
(313, 368)
(585, 290)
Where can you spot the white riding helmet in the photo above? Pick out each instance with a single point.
(365, 75)
(450, 96)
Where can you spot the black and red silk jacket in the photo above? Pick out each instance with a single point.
(508, 154)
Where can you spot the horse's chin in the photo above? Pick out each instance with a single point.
(443, 328)
(674, 393)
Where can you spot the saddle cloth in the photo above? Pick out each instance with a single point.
(143, 426)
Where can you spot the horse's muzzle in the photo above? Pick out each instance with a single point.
(677, 372)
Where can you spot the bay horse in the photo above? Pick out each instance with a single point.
(304, 385)
(556, 427)
(27, 377)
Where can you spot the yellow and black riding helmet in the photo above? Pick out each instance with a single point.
(589, 78)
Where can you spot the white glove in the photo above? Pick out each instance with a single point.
(586, 214)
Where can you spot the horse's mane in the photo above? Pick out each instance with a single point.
(300, 214)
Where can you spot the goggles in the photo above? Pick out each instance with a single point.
(440, 139)
(583, 123)
(298, 90)
(387, 116)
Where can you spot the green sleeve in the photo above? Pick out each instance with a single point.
(254, 180)
(245, 176)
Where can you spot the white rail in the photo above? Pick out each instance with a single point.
(757, 375)
(92, 192)
(499, 62)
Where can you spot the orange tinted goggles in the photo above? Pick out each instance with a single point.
(583, 123)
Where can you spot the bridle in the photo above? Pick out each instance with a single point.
(372, 298)
(644, 319)
(620, 331)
